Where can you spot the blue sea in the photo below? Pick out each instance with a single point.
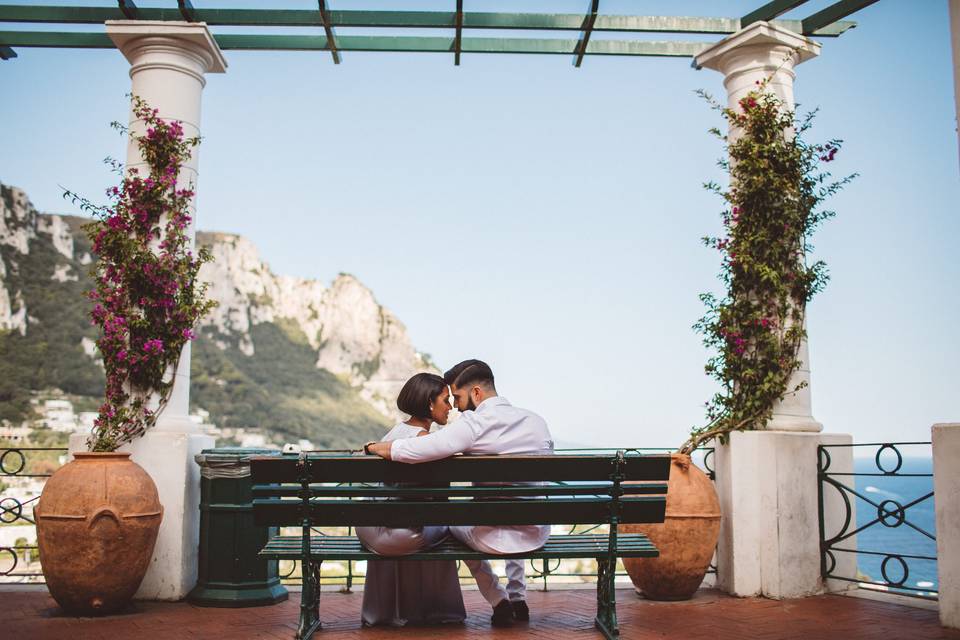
(902, 539)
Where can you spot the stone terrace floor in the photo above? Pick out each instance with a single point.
(556, 615)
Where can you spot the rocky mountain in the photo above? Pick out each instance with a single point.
(287, 356)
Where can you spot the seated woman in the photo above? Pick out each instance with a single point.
(400, 591)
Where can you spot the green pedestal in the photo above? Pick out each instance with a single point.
(230, 574)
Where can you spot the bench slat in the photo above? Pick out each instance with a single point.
(629, 545)
(405, 513)
(586, 489)
(569, 468)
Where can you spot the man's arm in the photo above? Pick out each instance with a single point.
(444, 443)
(381, 449)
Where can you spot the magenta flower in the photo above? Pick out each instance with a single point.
(153, 346)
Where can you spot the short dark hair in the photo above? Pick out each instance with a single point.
(470, 372)
(418, 392)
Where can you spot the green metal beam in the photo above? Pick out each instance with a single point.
(128, 9)
(832, 14)
(399, 19)
(227, 42)
(770, 11)
(588, 23)
(458, 35)
(55, 39)
(186, 10)
(328, 29)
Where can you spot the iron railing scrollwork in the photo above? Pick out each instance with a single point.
(892, 512)
(22, 486)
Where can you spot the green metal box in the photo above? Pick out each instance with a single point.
(230, 574)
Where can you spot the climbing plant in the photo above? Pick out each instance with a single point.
(772, 207)
(147, 299)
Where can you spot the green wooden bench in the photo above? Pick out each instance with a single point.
(342, 491)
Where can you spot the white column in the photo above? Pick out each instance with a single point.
(955, 37)
(946, 488)
(767, 480)
(746, 58)
(168, 63)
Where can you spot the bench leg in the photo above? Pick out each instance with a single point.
(606, 620)
(309, 599)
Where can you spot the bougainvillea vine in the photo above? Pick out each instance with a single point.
(147, 299)
(777, 185)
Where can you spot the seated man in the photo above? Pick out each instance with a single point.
(488, 425)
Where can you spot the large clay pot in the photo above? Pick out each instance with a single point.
(97, 523)
(686, 539)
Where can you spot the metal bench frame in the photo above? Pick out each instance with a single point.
(286, 493)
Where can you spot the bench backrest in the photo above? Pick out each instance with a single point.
(344, 490)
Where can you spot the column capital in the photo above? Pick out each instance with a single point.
(187, 47)
(759, 38)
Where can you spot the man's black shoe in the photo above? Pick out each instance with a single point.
(520, 610)
(502, 614)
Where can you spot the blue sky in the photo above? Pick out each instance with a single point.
(547, 219)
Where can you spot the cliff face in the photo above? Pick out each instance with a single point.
(20, 224)
(354, 337)
(280, 354)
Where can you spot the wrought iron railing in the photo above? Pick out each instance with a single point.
(22, 476)
(887, 519)
(346, 574)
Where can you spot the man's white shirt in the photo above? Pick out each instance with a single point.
(495, 427)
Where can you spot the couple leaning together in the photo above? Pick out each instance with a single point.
(398, 591)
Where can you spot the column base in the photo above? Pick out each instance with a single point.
(798, 424)
(946, 486)
(770, 532)
(168, 456)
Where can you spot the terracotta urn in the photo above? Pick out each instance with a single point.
(97, 524)
(686, 539)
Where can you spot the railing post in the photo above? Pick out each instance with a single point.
(838, 512)
(946, 488)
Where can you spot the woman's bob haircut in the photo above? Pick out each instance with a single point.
(418, 393)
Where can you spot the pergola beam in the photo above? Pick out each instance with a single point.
(588, 22)
(670, 48)
(458, 36)
(770, 11)
(328, 29)
(128, 9)
(832, 14)
(399, 19)
(186, 10)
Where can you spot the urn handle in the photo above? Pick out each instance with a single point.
(102, 512)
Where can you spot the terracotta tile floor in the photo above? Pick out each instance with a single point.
(556, 615)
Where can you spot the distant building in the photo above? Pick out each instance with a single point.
(253, 440)
(59, 416)
(201, 418)
(14, 434)
(86, 420)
